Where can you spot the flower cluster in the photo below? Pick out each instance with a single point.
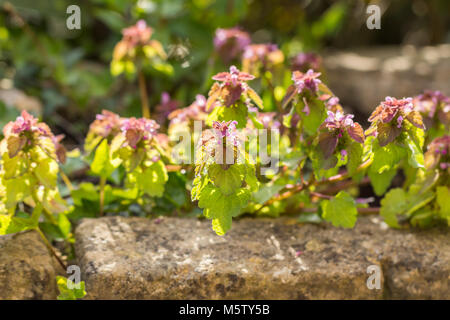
(387, 119)
(106, 124)
(434, 107)
(136, 130)
(136, 42)
(233, 85)
(27, 132)
(196, 111)
(305, 61)
(258, 56)
(230, 43)
(109, 125)
(334, 128)
(308, 80)
(438, 153)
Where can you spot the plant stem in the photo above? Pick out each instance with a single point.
(50, 248)
(144, 97)
(345, 175)
(66, 180)
(102, 195)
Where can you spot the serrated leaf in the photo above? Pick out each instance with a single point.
(47, 172)
(221, 208)
(152, 179)
(15, 144)
(101, 165)
(387, 133)
(340, 211)
(226, 180)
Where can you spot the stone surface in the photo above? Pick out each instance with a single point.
(361, 78)
(136, 258)
(26, 268)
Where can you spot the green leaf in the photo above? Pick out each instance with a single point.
(226, 180)
(47, 172)
(316, 117)
(17, 190)
(221, 208)
(393, 204)
(101, 165)
(340, 211)
(381, 181)
(415, 155)
(236, 112)
(443, 200)
(18, 224)
(355, 154)
(65, 293)
(152, 179)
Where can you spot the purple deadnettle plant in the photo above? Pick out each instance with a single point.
(388, 119)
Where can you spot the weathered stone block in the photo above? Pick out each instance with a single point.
(26, 268)
(136, 258)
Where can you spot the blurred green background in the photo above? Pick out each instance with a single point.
(64, 74)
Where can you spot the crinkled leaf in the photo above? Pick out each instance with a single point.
(226, 180)
(15, 144)
(340, 211)
(387, 133)
(101, 165)
(152, 179)
(47, 172)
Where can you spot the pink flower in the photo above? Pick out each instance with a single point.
(27, 130)
(308, 80)
(390, 107)
(196, 111)
(138, 34)
(225, 129)
(107, 123)
(234, 77)
(136, 130)
(343, 154)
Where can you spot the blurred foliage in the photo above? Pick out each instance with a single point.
(69, 70)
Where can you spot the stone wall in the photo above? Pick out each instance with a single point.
(362, 78)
